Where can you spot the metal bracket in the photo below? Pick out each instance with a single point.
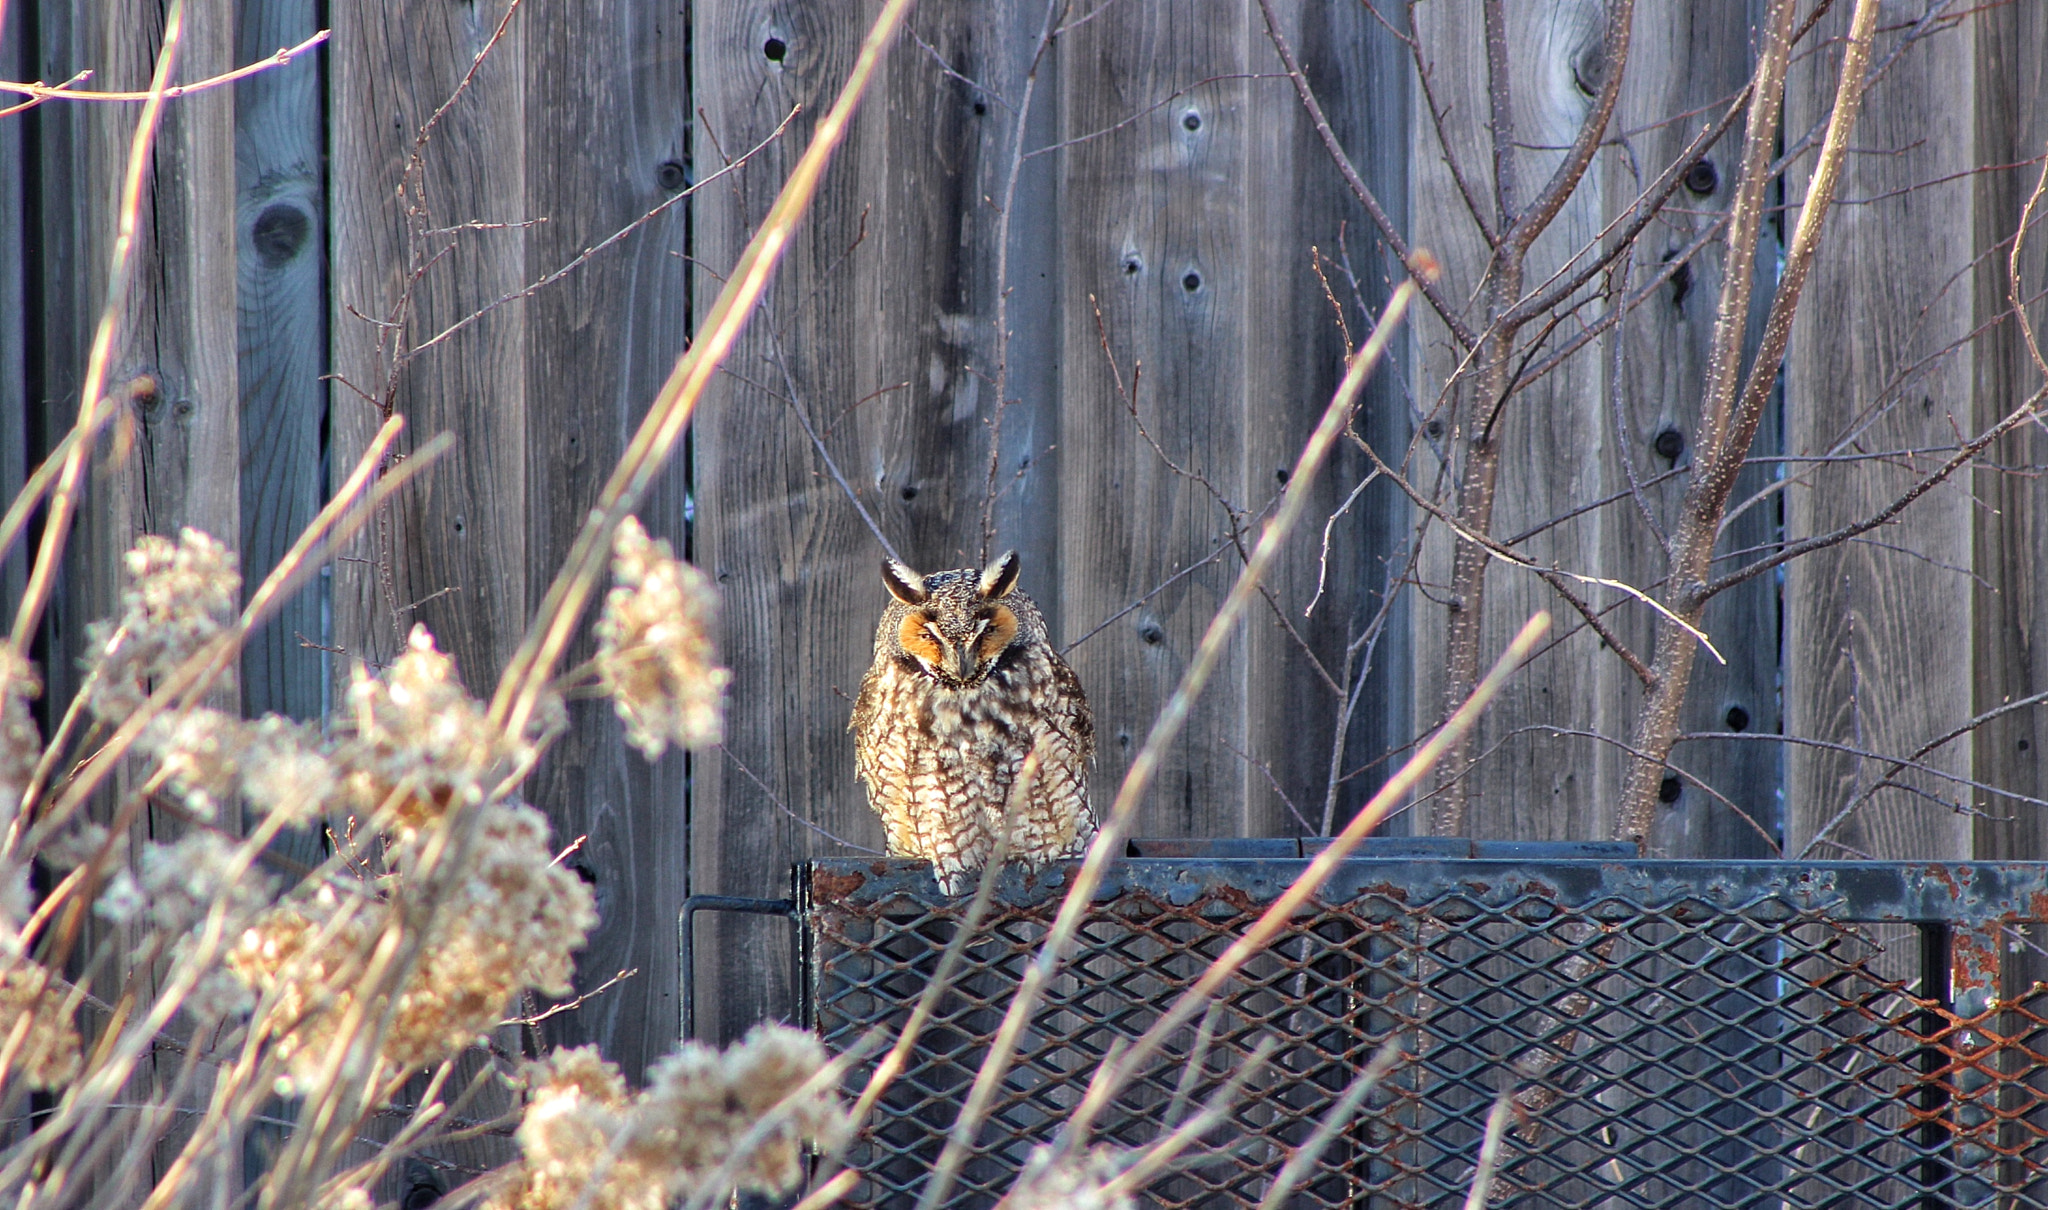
(687, 968)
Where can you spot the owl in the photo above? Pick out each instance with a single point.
(963, 687)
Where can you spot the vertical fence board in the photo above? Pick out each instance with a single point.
(1293, 350)
(452, 551)
(767, 529)
(281, 309)
(1533, 784)
(606, 103)
(1688, 60)
(1878, 631)
(902, 237)
(17, 62)
(1154, 219)
(457, 537)
(174, 461)
(2011, 517)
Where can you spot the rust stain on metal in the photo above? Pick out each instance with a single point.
(1946, 877)
(1973, 963)
(830, 887)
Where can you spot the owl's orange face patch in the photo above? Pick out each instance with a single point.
(916, 637)
(1002, 628)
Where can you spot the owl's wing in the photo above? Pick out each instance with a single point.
(862, 724)
(1068, 711)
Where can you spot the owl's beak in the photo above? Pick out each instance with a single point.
(963, 662)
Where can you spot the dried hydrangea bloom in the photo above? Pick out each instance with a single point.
(577, 1106)
(286, 770)
(513, 921)
(186, 879)
(20, 743)
(211, 757)
(46, 1056)
(699, 1102)
(585, 1142)
(419, 743)
(306, 954)
(180, 595)
(1077, 1183)
(655, 647)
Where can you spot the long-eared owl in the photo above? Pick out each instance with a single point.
(963, 687)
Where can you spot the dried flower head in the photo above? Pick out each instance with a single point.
(655, 647)
(1075, 1183)
(700, 1102)
(20, 743)
(210, 758)
(585, 1141)
(200, 752)
(420, 744)
(287, 770)
(512, 921)
(196, 874)
(577, 1108)
(307, 953)
(34, 1028)
(180, 596)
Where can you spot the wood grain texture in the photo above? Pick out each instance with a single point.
(281, 321)
(1558, 434)
(171, 461)
(892, 237)
(1688, 60)
(460, 536)
(572, 130)
(607, 107)
(1879, 637)
(1155, 228)
(1294, 350)
(2011, 519)
(16, 63)
(452, 552)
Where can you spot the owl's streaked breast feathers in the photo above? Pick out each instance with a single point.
(963, 686)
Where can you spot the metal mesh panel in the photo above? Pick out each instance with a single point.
(1676, 1033)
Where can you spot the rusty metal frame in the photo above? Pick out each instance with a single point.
(1676, 1033)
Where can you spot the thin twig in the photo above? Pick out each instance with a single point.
(40, 92)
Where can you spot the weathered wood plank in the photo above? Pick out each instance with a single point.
(1558, 433)
(17, 62)
(890, 282)
(1878, 632)
(281, 319)
(1154, 227)
(2011, 522)
(608, 107)
(452, 553)
(1293, 351)
(174, 462)
(1688, 60)
(462, 533)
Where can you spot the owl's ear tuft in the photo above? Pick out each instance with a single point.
(999, 577)
(904, 584)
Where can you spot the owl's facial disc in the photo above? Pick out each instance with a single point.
(958, 660)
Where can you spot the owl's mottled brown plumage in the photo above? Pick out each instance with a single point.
(963, 687)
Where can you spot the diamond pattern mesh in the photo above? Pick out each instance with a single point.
(1703, 1038)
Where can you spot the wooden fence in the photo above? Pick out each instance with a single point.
(1152, 166)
